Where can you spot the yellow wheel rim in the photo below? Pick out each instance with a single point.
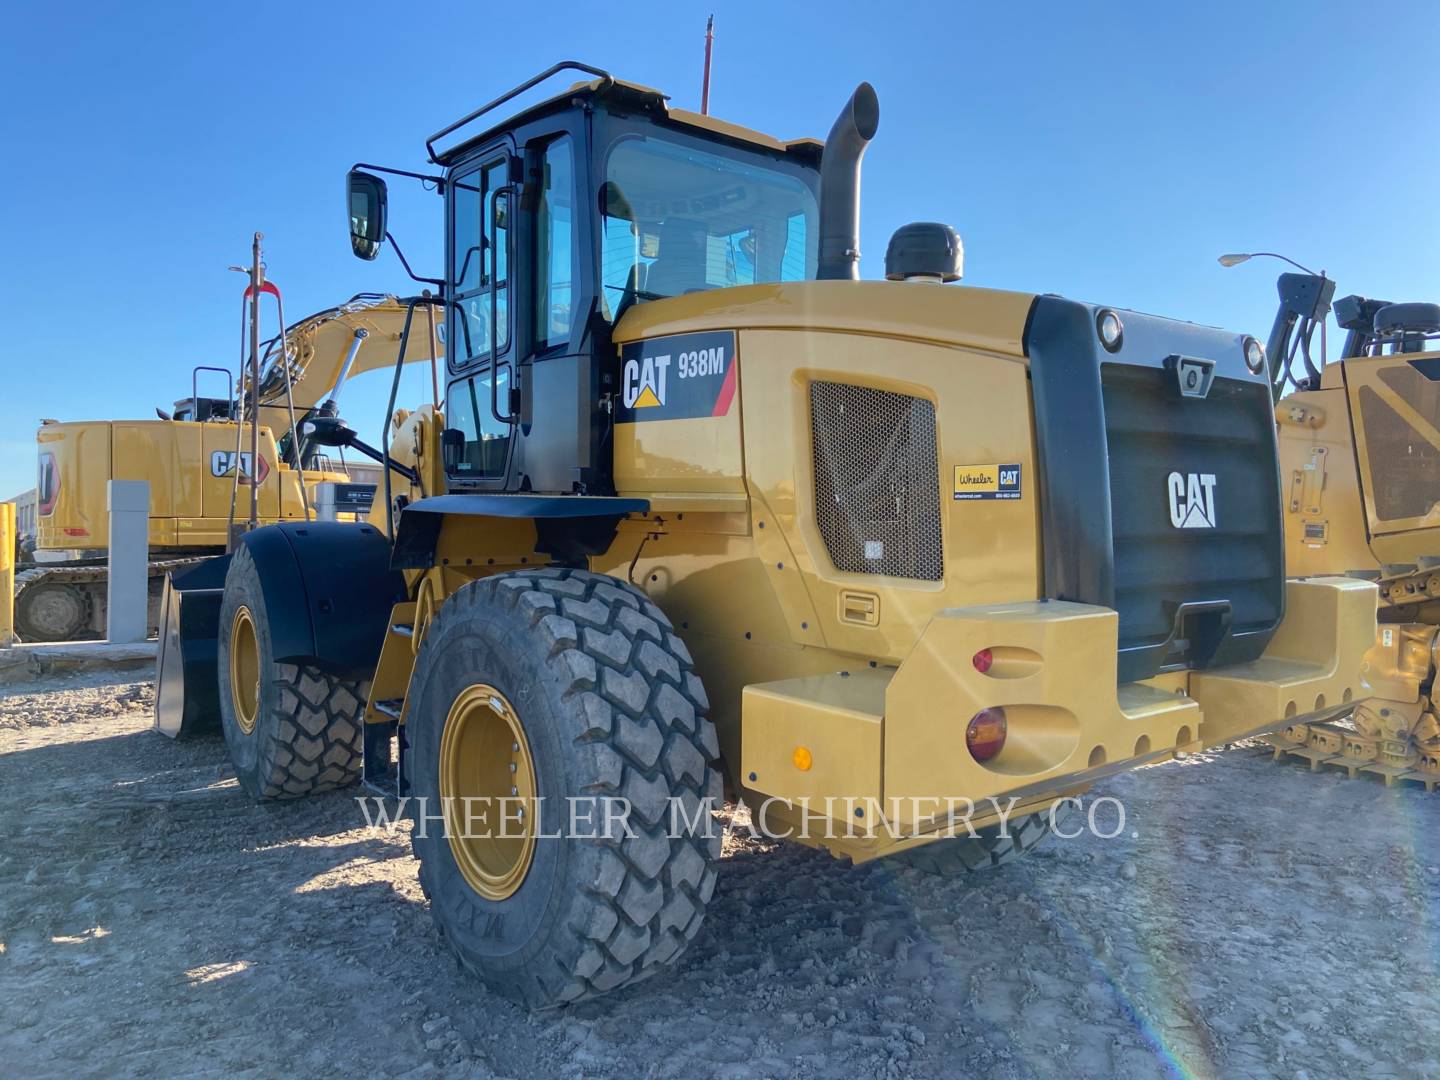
(424, 611)
(244, 670)
(487, 791)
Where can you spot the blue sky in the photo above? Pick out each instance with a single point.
(1106, 152)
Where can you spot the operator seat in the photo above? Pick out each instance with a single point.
(680, 267)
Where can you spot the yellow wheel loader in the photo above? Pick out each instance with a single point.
(1360, 459)
(897, 563)
(190, 458)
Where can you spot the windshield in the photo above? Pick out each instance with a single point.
(677, 220)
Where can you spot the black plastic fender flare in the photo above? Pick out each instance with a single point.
(329, 592)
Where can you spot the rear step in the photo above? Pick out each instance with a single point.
(383, 771)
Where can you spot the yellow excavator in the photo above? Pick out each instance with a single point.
(1360, 461)
(196, 461)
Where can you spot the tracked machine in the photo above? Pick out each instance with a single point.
(196, 466)
(706, 514)
(1360, 457)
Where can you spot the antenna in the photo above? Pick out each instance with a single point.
(705, 82)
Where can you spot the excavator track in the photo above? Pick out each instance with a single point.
(66, 601)
(1338, 746)
(1396, 734)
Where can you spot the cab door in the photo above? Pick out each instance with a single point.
(1395, 403)
(532, 419)
(480, 339)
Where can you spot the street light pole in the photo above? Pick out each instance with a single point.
(1235, 258)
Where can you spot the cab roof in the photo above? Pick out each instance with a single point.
(609, 89)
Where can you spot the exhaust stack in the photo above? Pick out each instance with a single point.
(840, 185)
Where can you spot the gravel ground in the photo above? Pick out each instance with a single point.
(1251, 920)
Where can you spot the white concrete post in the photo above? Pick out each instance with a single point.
(325, 501)
(128, 608)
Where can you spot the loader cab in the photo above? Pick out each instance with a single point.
(559, 221)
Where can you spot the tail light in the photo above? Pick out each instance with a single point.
(985, 734)
(982, 660)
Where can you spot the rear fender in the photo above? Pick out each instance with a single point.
(329, 591)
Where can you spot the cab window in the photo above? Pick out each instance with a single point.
(470, 258)
(555, 262)
(487, 440)
(677, 219)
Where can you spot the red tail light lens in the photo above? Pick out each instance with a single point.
(985, 734)
(982, 660)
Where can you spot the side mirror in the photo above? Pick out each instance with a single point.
(365, 196)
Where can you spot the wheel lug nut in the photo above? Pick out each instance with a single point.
(512, 766)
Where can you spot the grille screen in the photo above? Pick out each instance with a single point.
(1405, 465)
(877, 481)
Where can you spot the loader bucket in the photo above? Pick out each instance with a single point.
(187, 688)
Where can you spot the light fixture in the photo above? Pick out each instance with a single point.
(1235, 258)
(1110, 329)
(985, 734)
(1254, 355)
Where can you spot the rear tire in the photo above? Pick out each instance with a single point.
(605, 703)
(984, 851)
(292, 729)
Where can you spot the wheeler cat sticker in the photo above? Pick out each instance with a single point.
(987, 481)
(677, 378)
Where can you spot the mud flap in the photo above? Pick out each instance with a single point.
(187, 687)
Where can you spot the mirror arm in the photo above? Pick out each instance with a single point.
(438, 283)
(438, 181)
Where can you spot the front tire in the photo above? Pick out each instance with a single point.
(578, 681)
(292, 729)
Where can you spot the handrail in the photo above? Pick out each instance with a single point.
(528, 84)
(195, 386)
(508, 191)
(410, 305)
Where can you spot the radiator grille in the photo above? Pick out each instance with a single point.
(877, 481)
(1152, 432)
